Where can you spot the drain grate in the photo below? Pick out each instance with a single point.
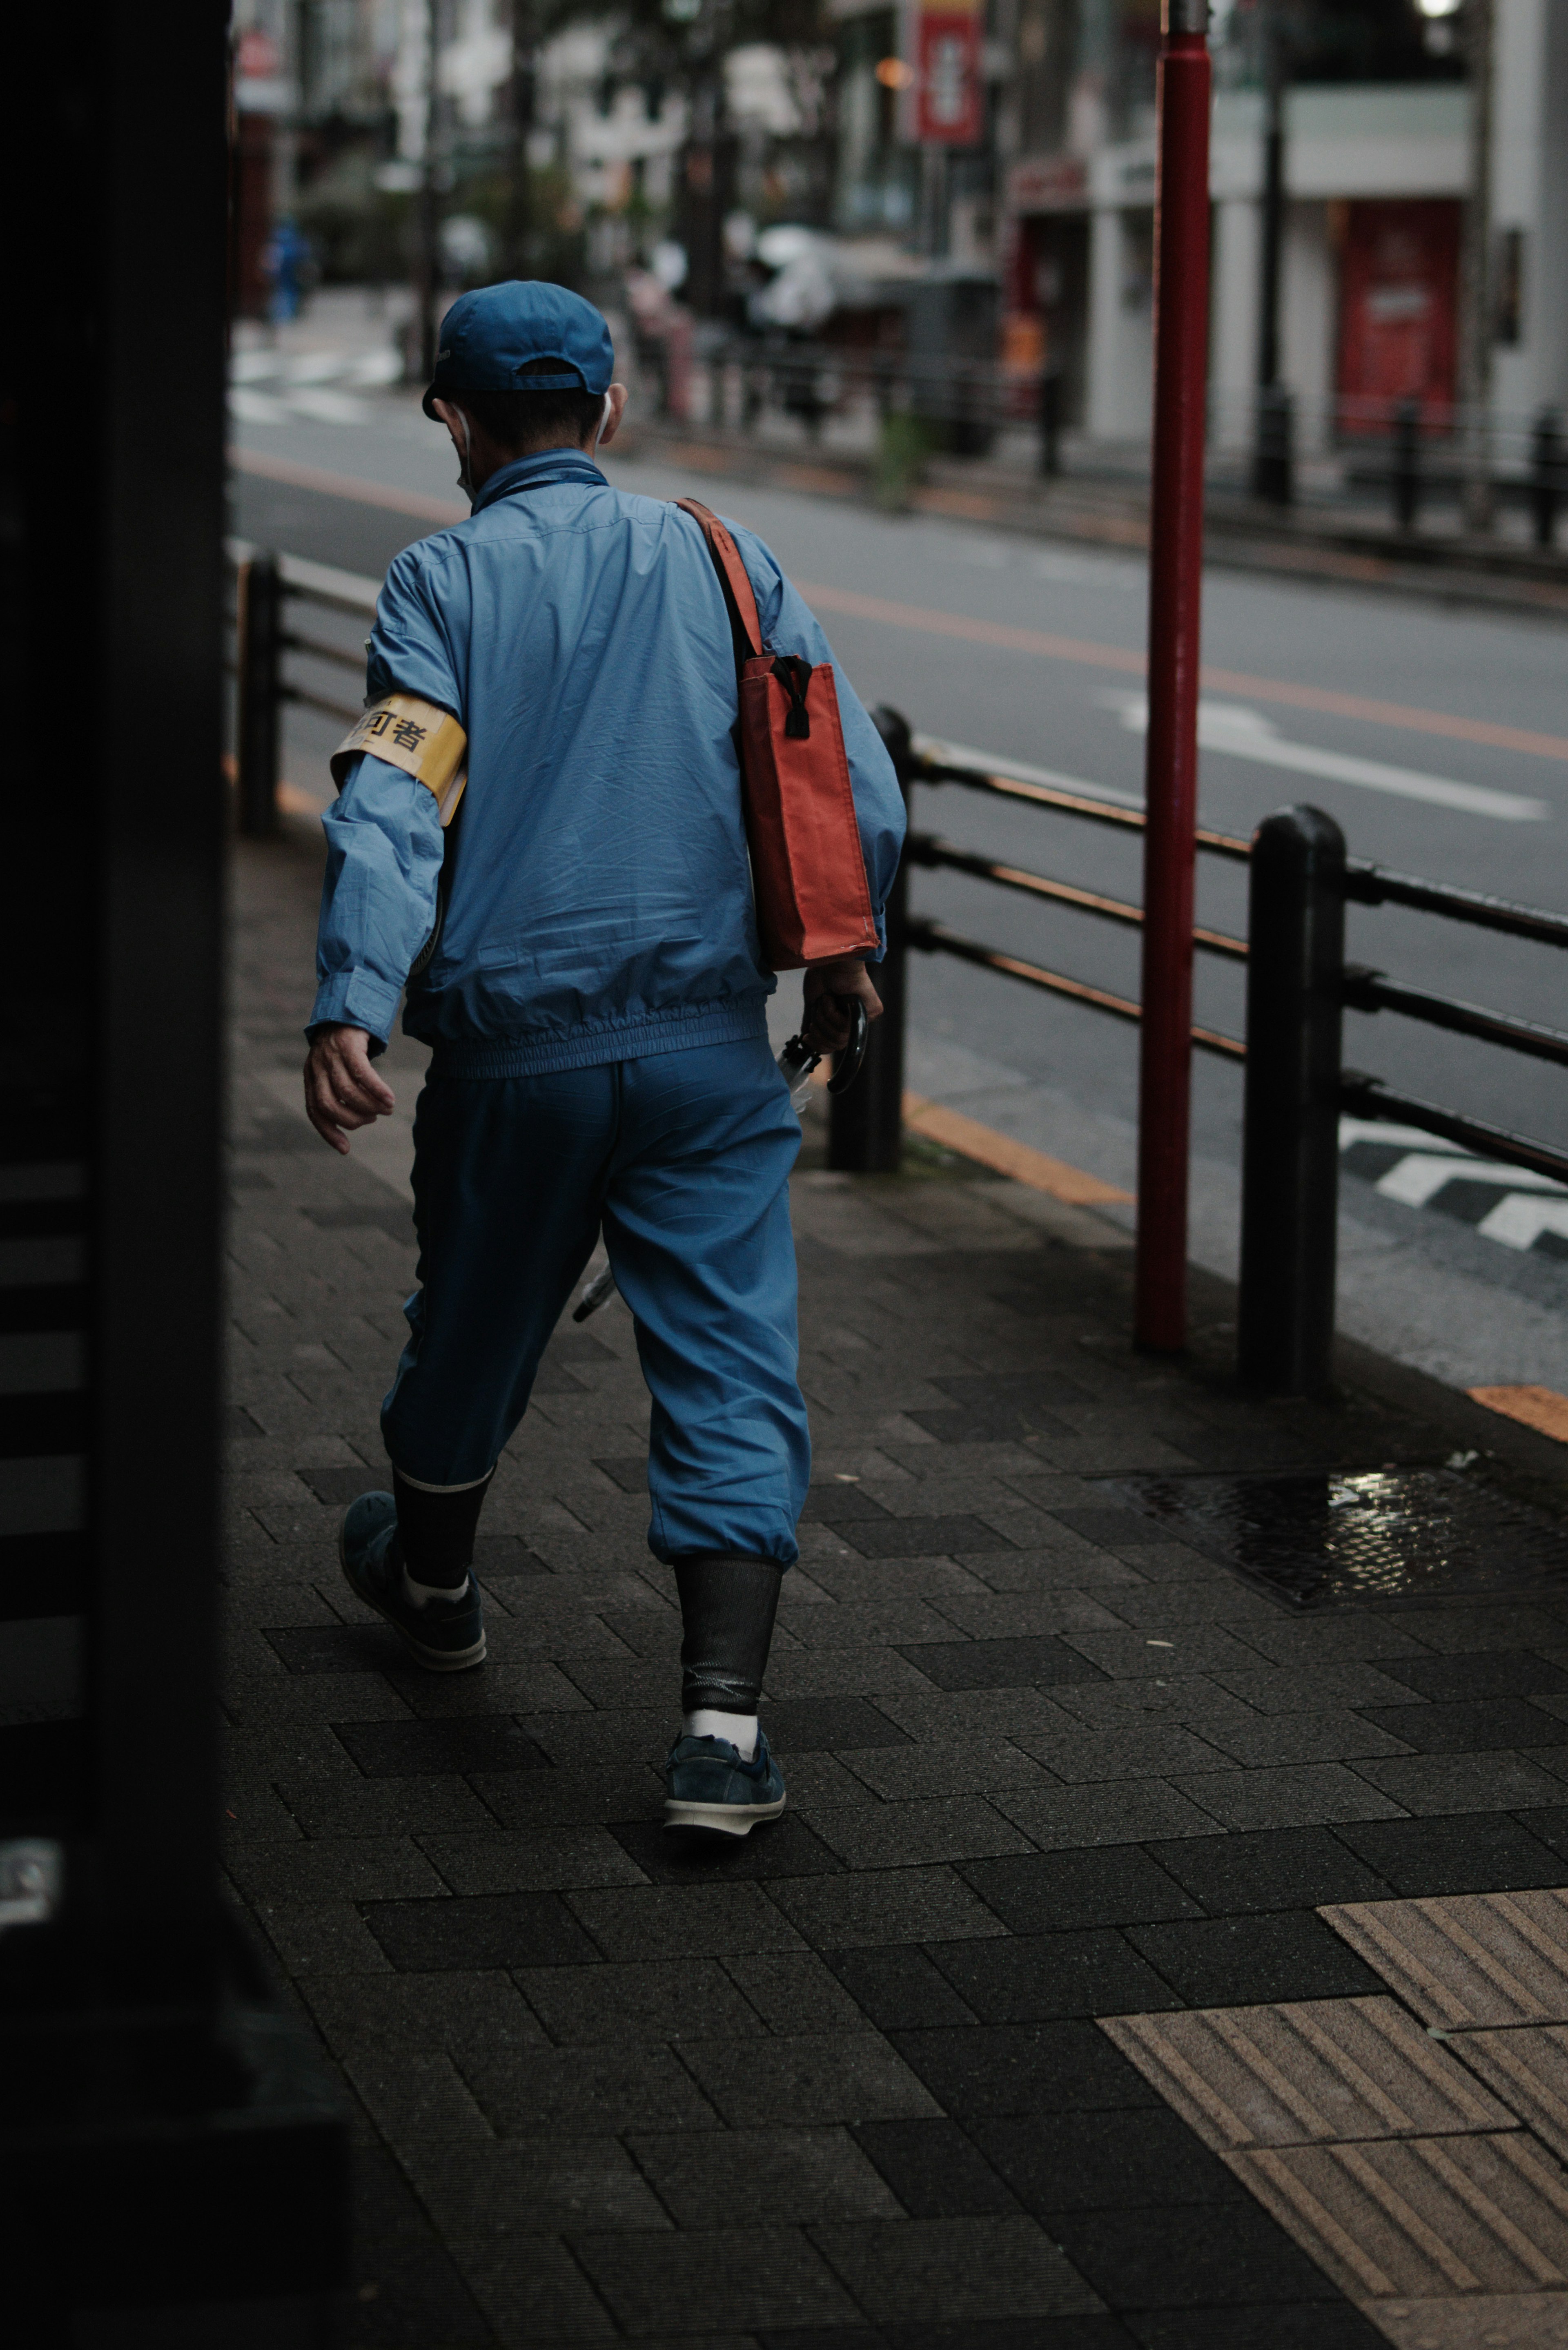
(1382, 1533)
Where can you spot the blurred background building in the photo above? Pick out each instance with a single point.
(968, 180)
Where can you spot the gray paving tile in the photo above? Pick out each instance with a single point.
(1195, 1648)
(1079, 1757)
(807, 2078)
(1119, 1811)
(744, 2278)
(793, 1992)
(956, 1767)
(534, 2187)
(811, 2173)
(892, 1836)
(1313, 1794)
(428, 2012)
(580, 2089)
(507, 1860)
(893, 1905)
(1461, 1782)
(973, 2270)
(688, 1920)
(582, 2007)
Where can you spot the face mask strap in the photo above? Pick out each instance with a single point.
(604, 420)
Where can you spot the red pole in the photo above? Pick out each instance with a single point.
(1175, 603)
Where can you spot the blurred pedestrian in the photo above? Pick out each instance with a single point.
(558, 675)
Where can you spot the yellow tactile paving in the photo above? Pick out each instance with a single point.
(1318, 2070)
(1470, 1960)
(1511, 2321)
(1419, 2218)
(1528, 2068)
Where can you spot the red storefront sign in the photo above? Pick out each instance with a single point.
(1398, 290)
(948, 100)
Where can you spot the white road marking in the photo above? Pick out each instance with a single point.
(961, 755)
(1238, 732)
(1530, 1204)
(1422, 1176)
(1519, 1221)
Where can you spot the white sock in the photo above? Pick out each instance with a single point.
(421, 1593)
(739, 1729)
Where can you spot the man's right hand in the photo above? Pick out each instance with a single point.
(342, 1090)
(827, 1024)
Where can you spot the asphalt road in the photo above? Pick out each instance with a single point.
(1458, 771)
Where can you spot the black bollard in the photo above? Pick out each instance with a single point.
(1050, 425)
(1290, 1164)
(1406, 467)
(260, 651)
(1546, 475)
(1273, 453)
(866, 1125)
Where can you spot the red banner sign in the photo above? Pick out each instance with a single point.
(949, 98)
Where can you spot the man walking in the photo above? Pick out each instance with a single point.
(540, 832)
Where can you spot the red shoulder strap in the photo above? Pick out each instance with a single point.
(731, 569)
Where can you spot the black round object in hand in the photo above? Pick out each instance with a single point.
(846, 1065)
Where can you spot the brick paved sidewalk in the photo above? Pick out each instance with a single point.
(842, 2085)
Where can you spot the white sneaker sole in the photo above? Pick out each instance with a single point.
(722, 1819)
(434, 1660)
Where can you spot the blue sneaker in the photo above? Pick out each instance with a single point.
(444, 1634)
(707, 1786)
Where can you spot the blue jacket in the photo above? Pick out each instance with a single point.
(600, 904)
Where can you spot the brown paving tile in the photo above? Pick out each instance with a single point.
(1471, 1959)
(1327, 2069)
(1421, 2219)
(1513, 2321)
(1528, 2068)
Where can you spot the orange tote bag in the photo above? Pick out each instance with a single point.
(808, 875)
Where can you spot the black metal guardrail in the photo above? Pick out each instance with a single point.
(1414, 457)
(1298, 989)
(265, 586)
(1298, 983)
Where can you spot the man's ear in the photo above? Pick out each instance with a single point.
(617, 395)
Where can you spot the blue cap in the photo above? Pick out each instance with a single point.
(489, 335)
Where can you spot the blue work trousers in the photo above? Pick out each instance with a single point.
(684, 1159)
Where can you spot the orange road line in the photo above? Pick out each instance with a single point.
(347, 485)
(1224, 680)
(1539, 1408)
(1006, 1157)
(967, 631)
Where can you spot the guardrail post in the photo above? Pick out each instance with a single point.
(259, 653)
(866, 1125)
(1405, 475)
(1050, 425)
(1290, 1155)
(1175, 617)
(1273, 459)
(1545, 474)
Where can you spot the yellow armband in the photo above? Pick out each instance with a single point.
(424, 741)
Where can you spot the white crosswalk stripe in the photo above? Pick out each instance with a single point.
(1531, 1212)
(269, 387)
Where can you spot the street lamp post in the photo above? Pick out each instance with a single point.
(427, 250)
(1272, 470)
(1475, 271)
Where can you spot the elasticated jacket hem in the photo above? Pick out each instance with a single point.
(675, 1030)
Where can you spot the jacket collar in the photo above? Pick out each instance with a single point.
(533, 472)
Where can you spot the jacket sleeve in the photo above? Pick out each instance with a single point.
(384, 844)
(384, 838)
(789, 626)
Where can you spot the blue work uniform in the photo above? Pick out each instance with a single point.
(596, 1002)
